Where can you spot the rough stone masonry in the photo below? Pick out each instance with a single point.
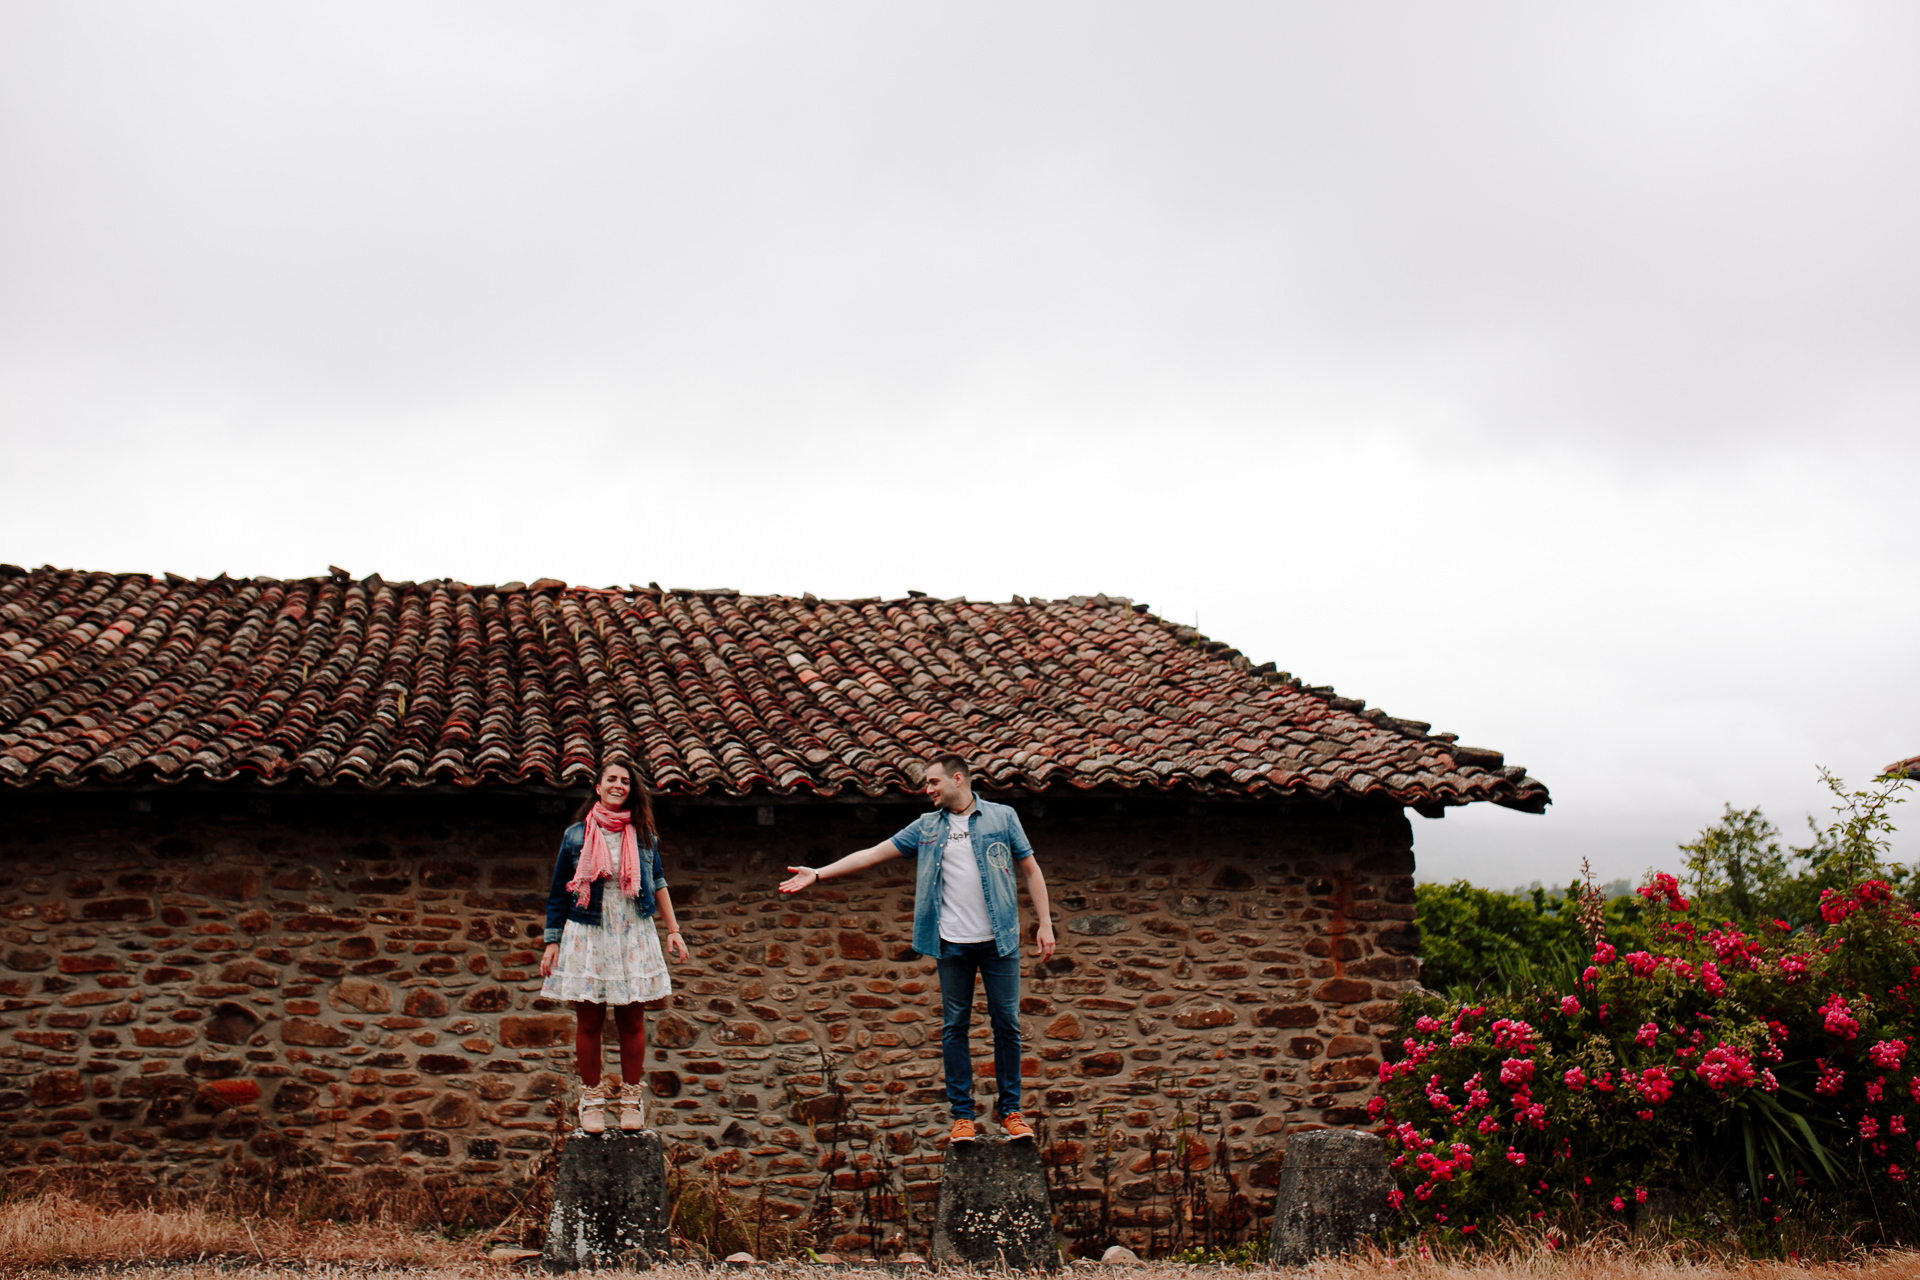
(199, 981)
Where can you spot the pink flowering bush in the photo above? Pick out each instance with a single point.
(1755, 1064)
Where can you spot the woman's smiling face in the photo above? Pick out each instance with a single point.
(615, 785)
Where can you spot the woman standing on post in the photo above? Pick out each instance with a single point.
(602, 946)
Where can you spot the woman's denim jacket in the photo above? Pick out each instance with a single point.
(998, 839)
(561, 904)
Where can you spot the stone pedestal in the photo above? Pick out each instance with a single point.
(994, 1208)
(1332, 1195)
(609, 1202)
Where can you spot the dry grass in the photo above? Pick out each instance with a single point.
(55, 1233)
(476, 1270)
(55, 1229)
(1577, 1264)
(1605, 1260)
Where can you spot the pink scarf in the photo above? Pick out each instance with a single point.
(596, 859)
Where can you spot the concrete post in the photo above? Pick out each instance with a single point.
(994, 1208)
(1332, 1195)
(609, 1202)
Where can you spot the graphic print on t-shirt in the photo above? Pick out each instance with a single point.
(963, 901)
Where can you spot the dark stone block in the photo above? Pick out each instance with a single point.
(427, 1144)
(609, 1202)
(1332, 1194)
(994, 1208)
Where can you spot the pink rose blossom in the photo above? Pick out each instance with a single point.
(1655, 1085)
(1511, 1033)
(1831, 1080)
(1887, 1054)
(1839, 1019)
(1664, 890)
(1726, 1067)
(1836, 906)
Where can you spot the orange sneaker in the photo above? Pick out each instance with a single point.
(963, 1131)
(1016, 1126)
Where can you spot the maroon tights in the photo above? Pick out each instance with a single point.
(629, 1022)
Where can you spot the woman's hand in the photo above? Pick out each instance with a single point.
(677, 946)
(548, 959)
(802, 878)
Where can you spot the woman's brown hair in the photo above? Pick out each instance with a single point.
(639, 799)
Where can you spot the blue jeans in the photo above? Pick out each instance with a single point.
(1000, 975)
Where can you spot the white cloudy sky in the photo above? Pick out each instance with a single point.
(1543, 371)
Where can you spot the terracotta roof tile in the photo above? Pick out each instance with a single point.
(118, 678)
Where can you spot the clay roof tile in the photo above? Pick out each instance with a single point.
(118, 677)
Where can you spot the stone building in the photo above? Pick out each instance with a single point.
(273, 855)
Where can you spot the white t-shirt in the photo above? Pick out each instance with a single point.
(963, 902)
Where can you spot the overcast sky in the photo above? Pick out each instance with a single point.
(1547, 372)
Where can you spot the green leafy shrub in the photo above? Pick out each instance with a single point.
(1713, 1063)
(1476, 941)
(1243, 1255)
(1479, 942)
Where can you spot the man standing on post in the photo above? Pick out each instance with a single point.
(966, 916)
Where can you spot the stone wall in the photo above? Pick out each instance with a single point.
(192, 981)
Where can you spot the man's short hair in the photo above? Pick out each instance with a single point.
(952, 763)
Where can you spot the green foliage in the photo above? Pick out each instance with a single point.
(1477, 941)
(1736, 869)
(1244, 1255)
(1480, 942)
(1725, 1071)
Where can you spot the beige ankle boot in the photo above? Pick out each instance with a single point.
(633, 1110)
(593, 1107)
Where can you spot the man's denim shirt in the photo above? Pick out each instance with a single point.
(998, 840)
(561, 905)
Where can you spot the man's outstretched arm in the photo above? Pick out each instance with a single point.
(1037, 890)
(807, 877)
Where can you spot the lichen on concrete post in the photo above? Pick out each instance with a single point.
(1332, 1195)
(609, 1202)
(994, 1208)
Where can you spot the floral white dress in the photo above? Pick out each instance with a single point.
(617, 961)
